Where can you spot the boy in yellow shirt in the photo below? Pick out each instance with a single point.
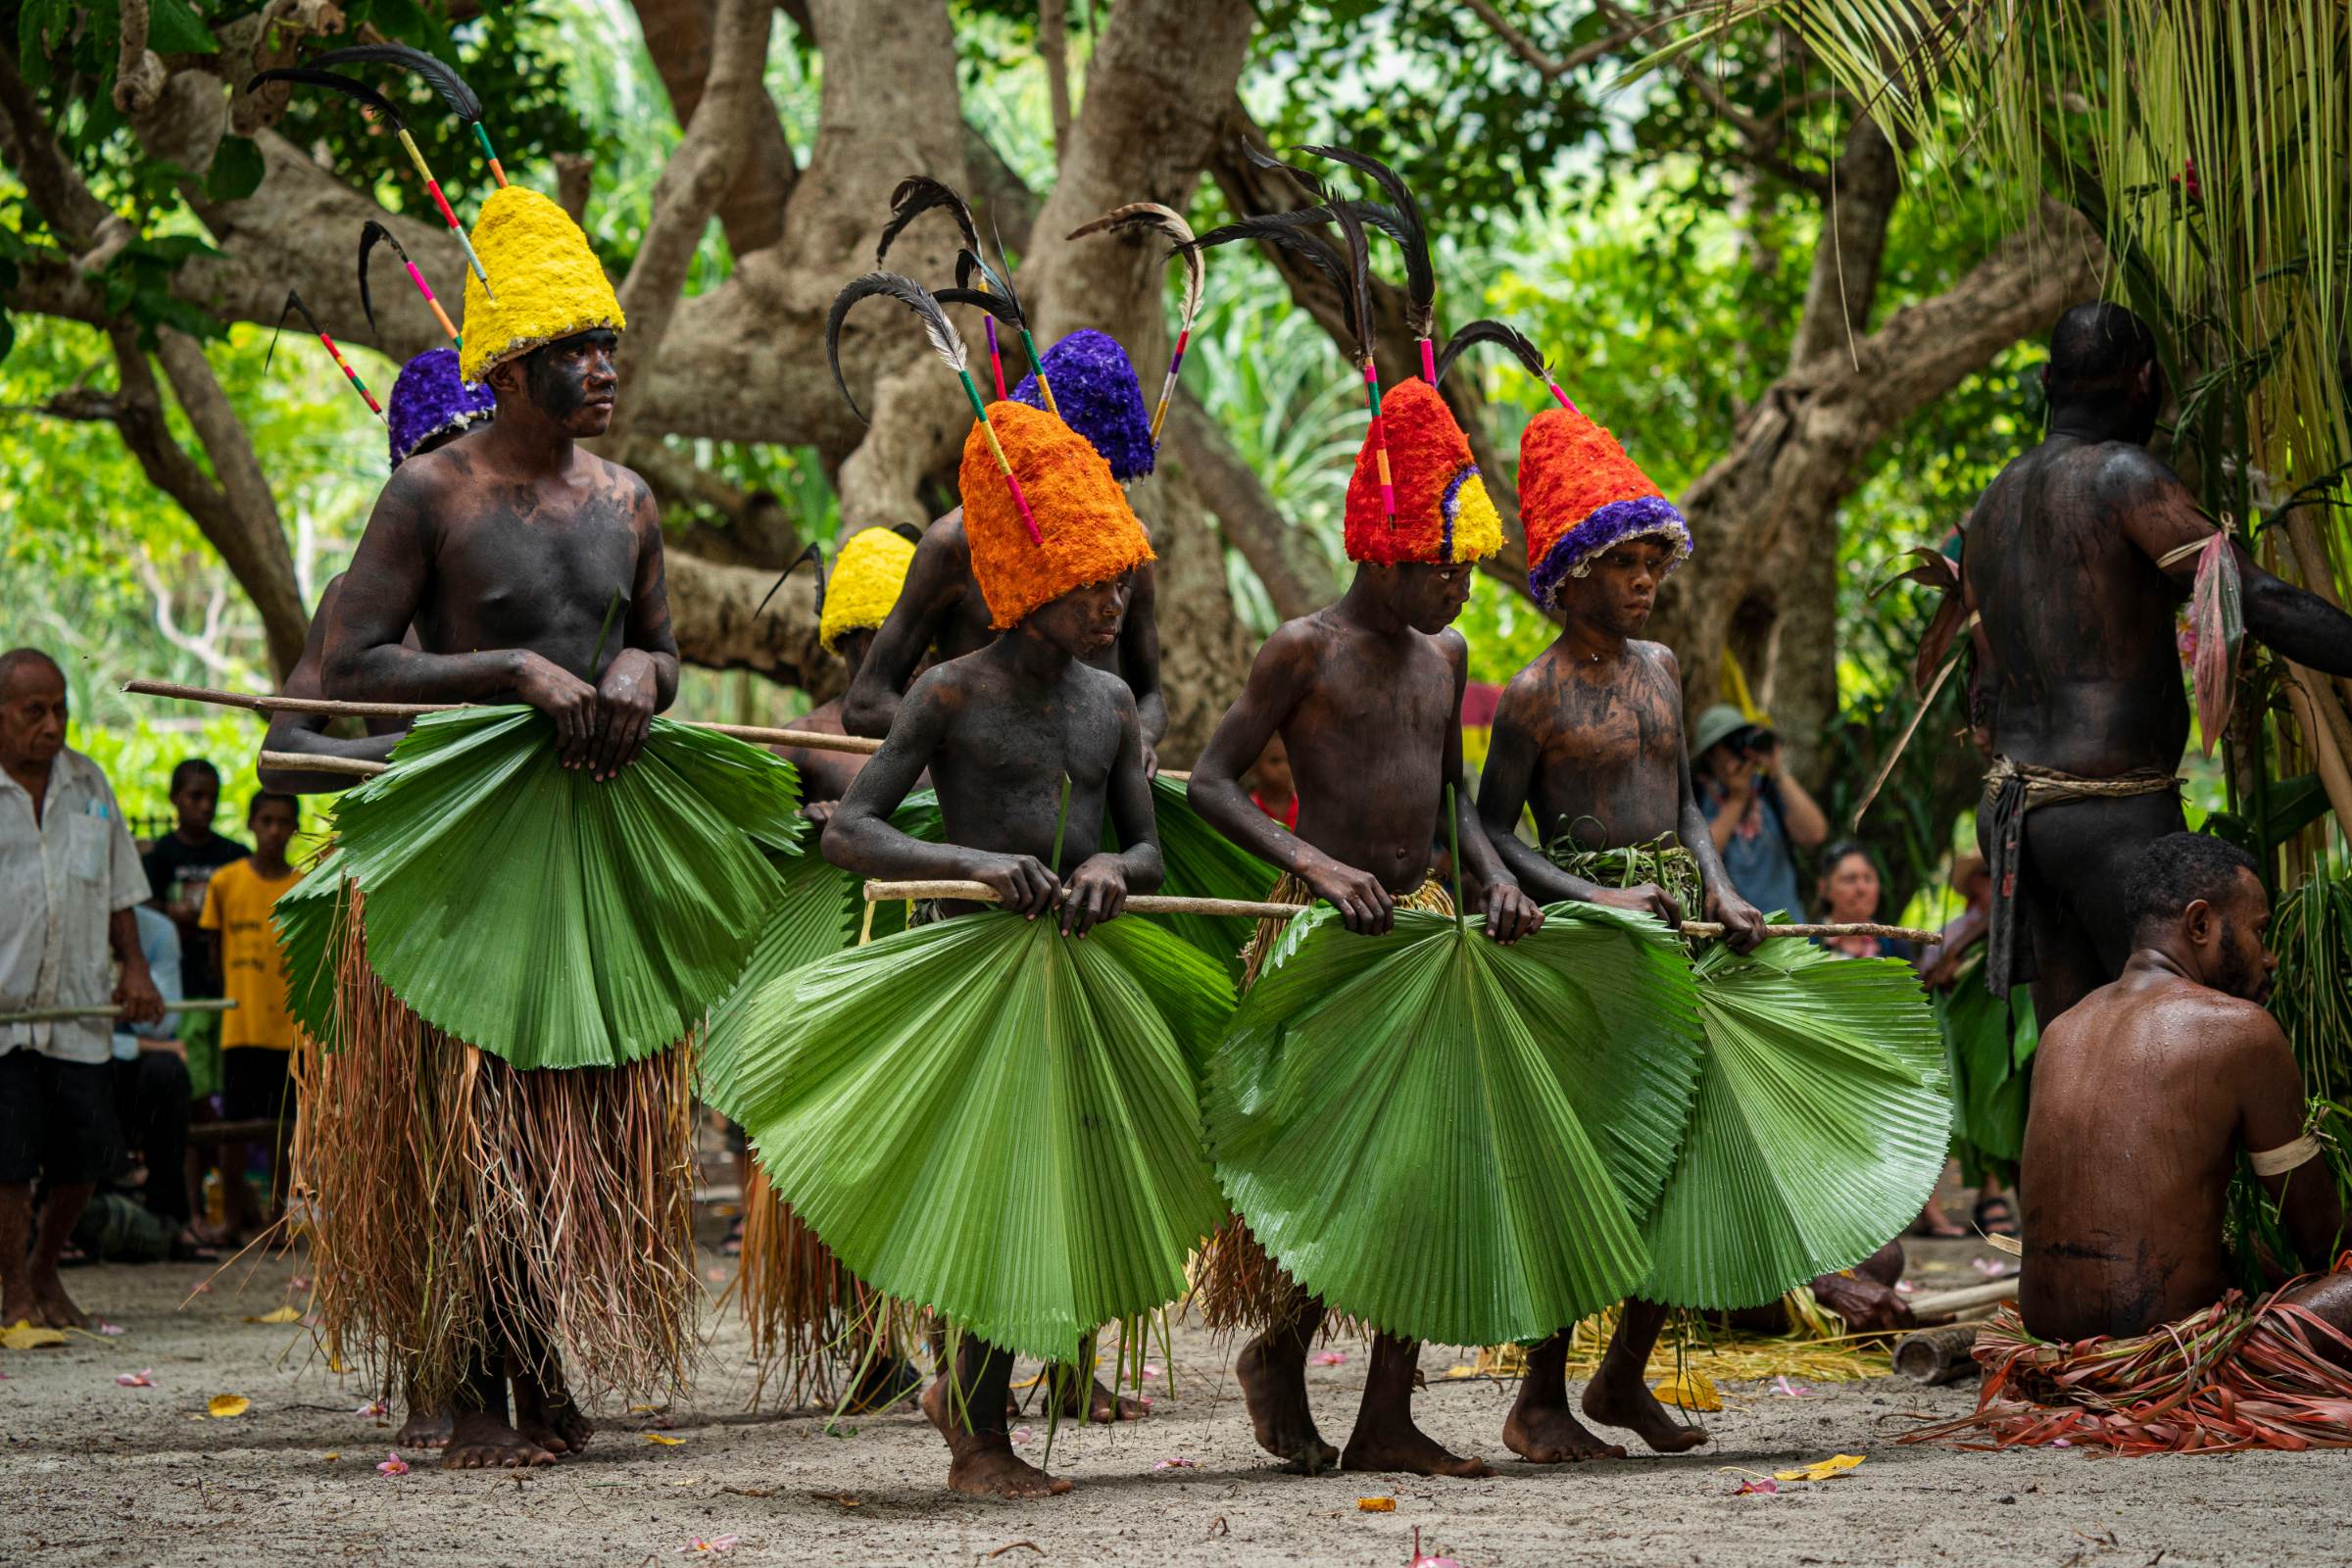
(257, 1035)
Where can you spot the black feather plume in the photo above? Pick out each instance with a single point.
(1266, 160)
(1495, 332)
(293, 304)
(1169, 225)
(1402, 219)
(996, 304)
(1360, 277)
(369, 234)
(916, 195)
(946, 341)
(349, 86)
(1297, 234)
(464, 102)
(814, 551)
(1000, 283)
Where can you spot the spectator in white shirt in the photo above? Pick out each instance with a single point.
(70, 878)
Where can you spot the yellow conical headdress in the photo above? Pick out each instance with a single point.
(866, 578)
(549, 283)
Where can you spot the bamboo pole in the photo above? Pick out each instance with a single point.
(2323, 725)
(807, 739)
(879, 892)
(1949, 1304)
(353, 767)
(110, 1010)
(1936, 1356)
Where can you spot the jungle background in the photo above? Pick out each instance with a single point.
(1795, 264)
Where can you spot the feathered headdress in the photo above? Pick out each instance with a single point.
(1098, 396)
(1050, 518)
(1168, 223)
(552, 285)
(1579, 493)
(918, 194)
(462, 101)
(431, 399)
(1417, 494)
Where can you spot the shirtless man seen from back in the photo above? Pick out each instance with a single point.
(2145, 1094)
(2065, 559)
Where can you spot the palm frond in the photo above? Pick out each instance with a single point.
(990, 1119)
(1454, 1139)
(1823, 1120)
(553, 920)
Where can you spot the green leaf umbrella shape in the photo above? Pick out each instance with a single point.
(986, 1117)
(1823, 1120)
(1449, 1139)
(552, 919)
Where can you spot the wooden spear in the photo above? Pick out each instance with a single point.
(1160, 904)
(809, 739)
(110, 1010)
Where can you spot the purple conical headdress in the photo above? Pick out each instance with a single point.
(431, 399)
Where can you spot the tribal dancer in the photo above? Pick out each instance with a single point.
(527, 1199)
(854, 600)
(2077, 558)
(1381, 661)
(1589, 736)
(890, 1139)
(2148, 1095)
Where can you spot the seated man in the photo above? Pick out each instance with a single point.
(2145, 1094)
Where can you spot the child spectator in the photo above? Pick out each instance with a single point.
(179, 866)
(257, 1035)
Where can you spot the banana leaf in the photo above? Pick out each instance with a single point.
(1452, 1140)
(1823, 1120)
(309, 917)
(1989, 1067)
(985, 1117)
(553, 920)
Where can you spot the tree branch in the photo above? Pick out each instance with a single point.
(1760, 139)
(1547, 67)
(717, 137)
(1054, 50)
(679, 35)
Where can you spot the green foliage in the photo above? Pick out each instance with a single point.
(1822, 1123)
(619, 910)
(988, 1118)
(1449, 1139)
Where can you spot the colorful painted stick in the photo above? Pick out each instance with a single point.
(1167, 388)
(454, 227)
(496, 172)
(1429, 362)
(1037, 365)
(1003, 464)
(368, 236)
(996, 360)
(293, 304)
(1380, 442)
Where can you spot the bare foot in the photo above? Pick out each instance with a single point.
(425, 1428)
(55, 1306)
(935, 1406)
(1104, 1407)
(1274, 1386)
(20, 1305)
(553, 1422)
(1614, 1403)
(1550, 1434)
(1407, 1448)
(987, 1467)
(478, 1441)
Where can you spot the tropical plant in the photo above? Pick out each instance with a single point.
(545, 916)
(985, 1117)
(1454, 1139)
(1823, 1119)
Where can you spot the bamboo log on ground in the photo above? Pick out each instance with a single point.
(109, 1009)
(1157, 904)
(759, 734)
(1951, 1303)
(1936, 1356)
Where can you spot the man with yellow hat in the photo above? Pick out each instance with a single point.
(532, 571)
(854, 600)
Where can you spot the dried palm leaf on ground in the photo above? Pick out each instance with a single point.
(990, 1119)
(1449, 1139)
(551, 920)
(1822, 1122)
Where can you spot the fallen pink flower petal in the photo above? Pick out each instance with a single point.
(716, 1545)
(1151, 1371)
(1329, 1358)
(1756, 1489)
(1421, 1561)
(202, 1287)
(299, 1282)
(1175, 1464)
(1905, 1288)
(2062, 1443)
(110, 1330)
(1021, 1435)
(136, 1380)
(1795, 1391)
(1989, 1267)
(371, 1409)
(393, 1466)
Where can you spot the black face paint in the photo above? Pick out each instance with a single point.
(557, 375)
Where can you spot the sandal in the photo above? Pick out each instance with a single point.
(1996, 1215)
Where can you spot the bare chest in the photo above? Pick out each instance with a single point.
(513, 569)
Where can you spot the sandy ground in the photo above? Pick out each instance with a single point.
(98, 1473)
